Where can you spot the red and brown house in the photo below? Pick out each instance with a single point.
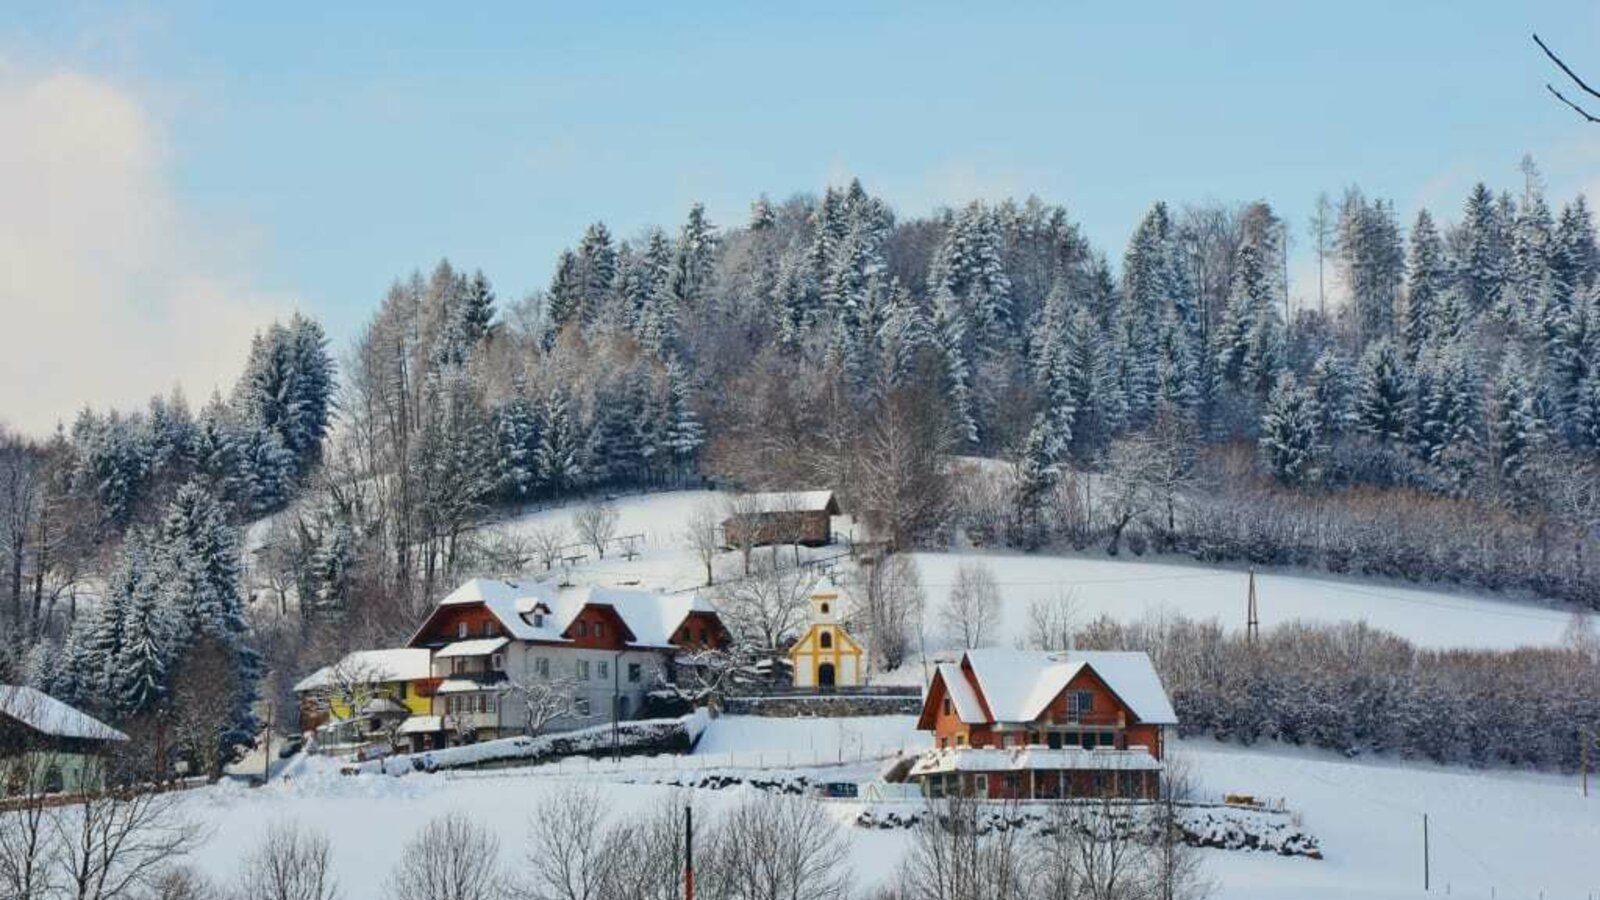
(1017, 724)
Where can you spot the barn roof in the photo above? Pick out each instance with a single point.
(49, 716)
(797, 501)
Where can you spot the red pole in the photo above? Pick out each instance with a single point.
(688, 853)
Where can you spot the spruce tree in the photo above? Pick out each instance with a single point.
(564, 299)
(1289, 433)
(1036, 478)
(685, 435)
(1382, 393)
(1429, 273)
(558, 455)
(1514, 421)
(1480, 262)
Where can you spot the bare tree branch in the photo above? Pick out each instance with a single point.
(1575, 80)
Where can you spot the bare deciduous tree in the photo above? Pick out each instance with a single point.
(547, 541)
(768, 604)
(204, 693)
(116, 844)
(744, 512)
(971, 611)
(544, 699)
(776, 848)
(572, 855)
(291, 863)
(889, 603)
(1050, 622)
(451, 858)
(596, 524)
(703, 532)
(1587, 116)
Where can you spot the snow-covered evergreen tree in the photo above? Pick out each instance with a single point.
(559, 456)
(1383, 393)
(1093, 391)
(1290, 436)
(1036, 479)
(1514, 422)
(1250, 340)
(1428, 280)
(1480, 263)
(969, 282)
(685, 434)
(517, 442)
(1332, 388)
(564, 299)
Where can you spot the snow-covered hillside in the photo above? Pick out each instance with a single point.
(1493, 833)
(1122, 588)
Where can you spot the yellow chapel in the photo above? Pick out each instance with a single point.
(826, 656)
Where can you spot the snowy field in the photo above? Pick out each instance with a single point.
(1124, 589)
(1499, 834)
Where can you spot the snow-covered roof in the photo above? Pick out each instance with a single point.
(47, 715)
(652, 617)
(968, 709)
(379, 706)
(1019, 684)
(421, 725)
(479, 647)
(396, 664)
(986, 759)
(794, 501)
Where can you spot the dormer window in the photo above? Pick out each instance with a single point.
(538, 619)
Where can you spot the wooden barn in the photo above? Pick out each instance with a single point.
(794, 517)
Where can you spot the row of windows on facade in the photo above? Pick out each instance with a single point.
(1055, 740)
(485, 704)
(541, 666)
(1057, 786)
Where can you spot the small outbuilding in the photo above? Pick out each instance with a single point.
(47, 746)
(826, 656)
(794, 517)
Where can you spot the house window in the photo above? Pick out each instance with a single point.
(599, 629)
(488, 628)
(581, 706)
(583, 670)
(462, 628)
(1013, 785)
(605, 670)
(961, 740)
(538, 619)
(947, 706)
(583, 629)
(826, 639)
(980, 784)
(497, 662)
(400, 690)
(703, 636)
(824, 609)
(1082, 702)
(542, 666)
(635, 672)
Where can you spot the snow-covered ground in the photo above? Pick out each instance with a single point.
(1127, 590)
(1123, 588)
(1493, 833)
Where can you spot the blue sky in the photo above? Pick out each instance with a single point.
(324, 149)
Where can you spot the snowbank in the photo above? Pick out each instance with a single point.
(657, 735)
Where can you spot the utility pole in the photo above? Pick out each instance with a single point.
(1425, 865)
(688, 852)
(266, 755)
(1585, 738)
(1252, 622)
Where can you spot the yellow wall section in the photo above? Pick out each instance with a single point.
(414, 703)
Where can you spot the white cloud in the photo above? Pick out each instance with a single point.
(109, 291)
